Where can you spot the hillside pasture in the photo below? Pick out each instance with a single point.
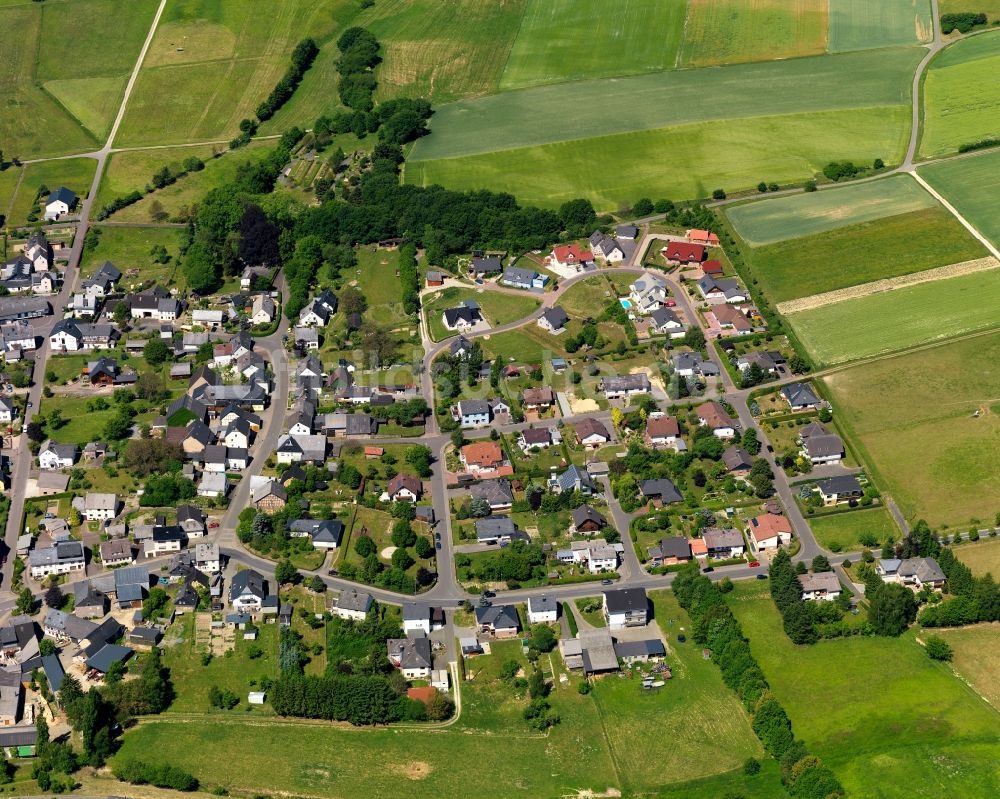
(962, 95)
(688, 161)
(524, 118)
(892, 408)
(862, 24)
(886, 322)
(982, 556)
(873, 250)
(906, 728)
(977, 658)
(562, 40)
(972, 185)
(731, 31)
(798, 215)
(75, 174)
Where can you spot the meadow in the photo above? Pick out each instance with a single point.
(890, 321)
(856, 254)
(891, 409)
(129, 248)
(889, 721)
(524, 118)
(689, 161)
(729, 31)
(126, 172)
(862, 24)
(798, 215)
(961, 95)
(841, 532)
(563, 40)
(982, 556)
(977, 658)
(499, 308)
(972, 185)
(989, 7)
(75, 174)
(9, 178)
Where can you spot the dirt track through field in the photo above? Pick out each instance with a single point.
(889, 284)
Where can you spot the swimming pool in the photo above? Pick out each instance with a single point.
(626, 303)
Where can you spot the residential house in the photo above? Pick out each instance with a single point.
(500, 621)
(483, 458)
(60, 558)
(662, 431)
(542, 610)
(716, 418)
(648, 293)
(206, 558)
(571, 256)
(538, 399)
(462, 317)
(354, 604)
(99, 507)
(88, 602)
(248, 591)
(412, 656)
(769, 362)
(213, 485)
(822, 586)
(836, 490)
(7, 411)
(573, 479)
(769, 531)
(915, 573)
(731, 319)
(592, 651)
(59, 203)
(737, 461)
(553, 319)
(103, 372)
(660, 491)
(538, 437)
(625, 386)
(405, 488)
(485, 266)
(631, 652)
(269, 497)
(498, 530)
(670, 551)
(250, 274)
(262, 310)
(719, 290)
(15, 308)
(131, 586)
(416, 618)
(723, 543)
(584, 520)
(306, 338)
(156, 303)
(519, 278)
(606, 248)
(164, 540)
(56, 456)
(498, 493)
(664, 321)
(117, 552)
(704, 237)
(682, 252)
(628, 232)
(191, 520)
(591, 433)
(626, 607)
(692, 365)
(601, 558)
(313, 315)
(823, 449)
(800, 397)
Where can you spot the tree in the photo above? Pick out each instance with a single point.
(719, 194)
(258, 238)
(54, 597)
(420, 458)
(149, 386)
(578, 217)
(285, 572)
(145, 456)
(35, 431)
(25, 602)
(750, 442)
(365, 546)
(821, 564)
(643, 207)
(542, 638)
(891, 609)
(938, 648)
(694, 338)
(536, 684)
(402, 534)
(424, 548)
(401, 559)
(46, 647)
(156, 351)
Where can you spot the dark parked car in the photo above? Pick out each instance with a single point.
(708, 569)
(761, 576)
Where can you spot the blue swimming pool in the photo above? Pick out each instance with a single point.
(626, 303)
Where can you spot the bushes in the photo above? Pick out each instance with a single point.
(303, 55)
(358, 55)
(963, 22)
(117, 204)
(982, 144)
(137, 772)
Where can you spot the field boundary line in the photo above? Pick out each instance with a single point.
(887, 284)
(955, 212)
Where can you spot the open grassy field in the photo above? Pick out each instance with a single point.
(873, 250)
(977, 658)
(499, 308)
(982, 557)
(781, 218)
(730, 31)
(889, 721)
(9, 178)
(989, 7)
(892, 409)
(860, 24)
(132, 171)
(560, 40)
(961, 97)
(688, 161)
(895, 320)
(74, 173)
(840, 532)
(668, 99)
(765, 785)
(128, 248)
(972, 185)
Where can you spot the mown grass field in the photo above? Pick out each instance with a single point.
(977, 658)
(499, 308)
(688, 161)
(989, 7)
(895, 320)
(889, 721)
(668, 99)
(892, 409)
(75, 174)
(730, 31)
(840, 532)
(982, 557)
(961, 95)
(129, 248)
(798, 215)
(972, 185)
(848, 256)
(561, 40)
(862, 24)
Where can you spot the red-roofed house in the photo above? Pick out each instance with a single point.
(423, 693)
(484, 458)
(571, 256)
(713, 268)
(680, 252)
(698, 547)
(706, 237)
(769, 532)
(662, 431)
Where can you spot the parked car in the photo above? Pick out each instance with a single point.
(212, 525)
(755, 564)
(606, 582)
(708, 569)
(333, 572)
(761, 576)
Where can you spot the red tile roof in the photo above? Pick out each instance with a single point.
(682, 251)
(712, 267)
(703, 237)
(572, 254)
(484, 454)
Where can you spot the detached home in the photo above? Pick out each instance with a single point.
(626, 607)
(822, 586)
(769, 531)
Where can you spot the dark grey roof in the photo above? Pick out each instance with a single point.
(248, 581)
(651, 647)
(823, 446)
(661, 488)
(556, 317)
(498, 616)
(799, 394)
(675, 546)
(62, 194)
(496, 492)
(107, 655)
(487, 265)
(624, 600)
(495, 527)
(736, 458)
(844, 484)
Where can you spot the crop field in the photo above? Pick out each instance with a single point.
(892, 722)
(982, 557)
(972, 185)
(562, 40)
(862, 24)
(128, 248)
(889, 415)
(798, 215)
(668, 99)
(977, 658)
(729, 31)
(873, 250)
(841, 532)
(895, 320)
(73, 173)
(961, 95)
(689, 161)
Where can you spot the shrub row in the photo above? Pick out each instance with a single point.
(137, 772)
(303, 55)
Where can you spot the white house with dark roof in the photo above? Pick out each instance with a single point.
(553, 319)
(56, 456)
(542, 610)
(59, 203)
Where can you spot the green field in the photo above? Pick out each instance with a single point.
(848, 256)
(669, 99)
(839, 532)
(982, 556)
(895, 320)
(562, 40)
(989, 7)
(499, 308)
(128, 248)
(962, 96)
(972, 185)
(8, 184)
(861, 24)
(689, 161)
(892, 409)
(781, 218)
(977, 658)
(889, 721)
(74, 173)
(729, 31)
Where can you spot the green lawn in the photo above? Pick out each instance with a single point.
(972, 185)
(594, 618)
(891, 321)
(80, 425)
(860, 24)
(873, 250)
(962, 99)
(977, 658)
(729, 31)
(133, 171)
(522, 119)
(765, 785)
(499, 308)
(781, 218)
(982, 556)
(75, 174)
(129, 248)
(840, 532)
(889, 721)
(563, 40)
(689, 161)
(891, 409)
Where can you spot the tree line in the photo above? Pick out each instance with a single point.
(715, 627)
(303, 55)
